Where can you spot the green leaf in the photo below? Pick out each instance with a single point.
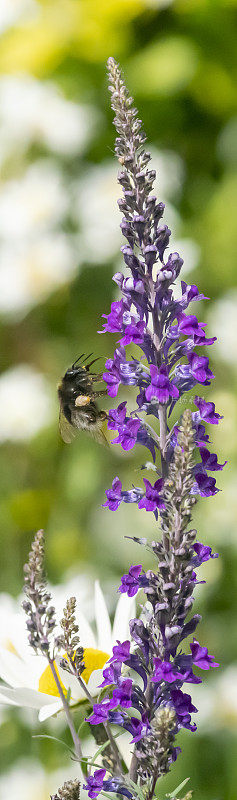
(181, 786)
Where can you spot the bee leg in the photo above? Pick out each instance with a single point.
(98, 377)
(102, 393)
(103, 415)
(82, 400)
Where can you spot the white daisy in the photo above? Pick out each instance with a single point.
(36, 111)
(29, 679)
(25, 402)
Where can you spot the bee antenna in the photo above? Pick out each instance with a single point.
(90, 354)
(78, 359)
(92, 362)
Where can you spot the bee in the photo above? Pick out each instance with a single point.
(77, 400)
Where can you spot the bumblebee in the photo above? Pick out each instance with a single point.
(77, 399)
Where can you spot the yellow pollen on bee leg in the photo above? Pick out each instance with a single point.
(82, 400)
(93, 659)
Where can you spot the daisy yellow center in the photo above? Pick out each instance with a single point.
(93, 659)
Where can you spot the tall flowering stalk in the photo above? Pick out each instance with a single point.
(154, 706)
(143, 690)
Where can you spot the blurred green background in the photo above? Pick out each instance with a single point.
(59, 246)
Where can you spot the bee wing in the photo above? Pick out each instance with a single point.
(66, 430)
(80, 421)
(98, 434)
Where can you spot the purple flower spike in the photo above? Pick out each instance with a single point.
(160, 387)
(149, 673)
(200, 656)
(94, 783)
(130, 583)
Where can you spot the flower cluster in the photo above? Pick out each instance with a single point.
(140, 684)
(144, 686)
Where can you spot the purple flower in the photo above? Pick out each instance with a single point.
(115, 785)
(203, 553)
(122, 693)
(120, 320)
(118, 370)
(137, 727)
(190, 293)
(152, 499)
(201, 436)
(114, 322)
(165, 671)
(117, 416)
(94, 783)
(101, 711)
(183, 707)
(188, 325)
(207, 411)
(127, 434)
(200, 656)
(130, 583)
(114, 495)
(111, 674)
(134, 333)
(209, 460)
(121, 651)
(205, 485)
(199, 368)
(160, 387)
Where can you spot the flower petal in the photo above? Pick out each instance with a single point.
(13, 670)
(94, 681)
(49, 710)
(87, 637)
(125, 610)
(70, 682)
(24, 697)
(102, 621)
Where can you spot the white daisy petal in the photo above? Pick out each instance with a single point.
(125, 610)
(87, 637)
(70, 682)
(95, 679)
(102, 621)
(13, 670)
(49, 710)
(25, 697)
